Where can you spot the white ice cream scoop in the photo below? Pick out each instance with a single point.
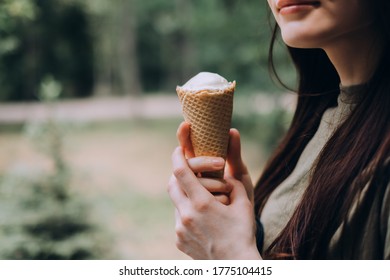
(206, 81)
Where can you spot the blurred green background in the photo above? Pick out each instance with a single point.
(88, 116)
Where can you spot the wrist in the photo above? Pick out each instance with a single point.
(250, 254)
(241, 253)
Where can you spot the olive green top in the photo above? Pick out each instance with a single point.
(373, 234)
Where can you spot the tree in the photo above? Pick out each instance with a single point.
(127, 53)
(177, 39)
(40, 38)
(40, 217)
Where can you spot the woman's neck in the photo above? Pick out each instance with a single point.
(355, 56)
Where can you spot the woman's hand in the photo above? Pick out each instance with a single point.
(205, 227)
(234, 168)
(210, 226)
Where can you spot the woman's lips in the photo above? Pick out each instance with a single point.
(286, 7)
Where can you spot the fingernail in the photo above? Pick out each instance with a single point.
(218, 162)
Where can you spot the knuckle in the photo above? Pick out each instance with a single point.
(179, 172)
(181, 238)
(180, 245)
(187, 220)
(201, 205)
(180, 232)
(226, 188)
(224, 199)
(171, 183)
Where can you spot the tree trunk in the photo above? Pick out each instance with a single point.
(184, 9)
(104, 67)
(127, 53)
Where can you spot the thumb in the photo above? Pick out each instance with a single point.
(235, 165)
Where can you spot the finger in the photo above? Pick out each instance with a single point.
(182, 234)
(177, 195)
(216, 185)
(178, 223)
(186, 177)
(222, 198)
(179, 229)
(183, 135)
(203, 164)
(238, 193)
(235, 165)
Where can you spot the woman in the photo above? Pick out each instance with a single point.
(325, 192)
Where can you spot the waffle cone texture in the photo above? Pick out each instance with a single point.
(209, 113)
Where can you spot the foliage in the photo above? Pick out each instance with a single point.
(40, 38)
(177, 39)
(133, 46)
(40, 218)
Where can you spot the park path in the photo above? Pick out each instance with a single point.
(117, 108)
(92, 109)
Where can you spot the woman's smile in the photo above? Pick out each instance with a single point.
(289, 7)
(320, 23)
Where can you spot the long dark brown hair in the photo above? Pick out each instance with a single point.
(356, 155)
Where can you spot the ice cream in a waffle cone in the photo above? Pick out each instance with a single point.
(207, 104)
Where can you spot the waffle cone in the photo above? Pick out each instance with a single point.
(209, 112)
